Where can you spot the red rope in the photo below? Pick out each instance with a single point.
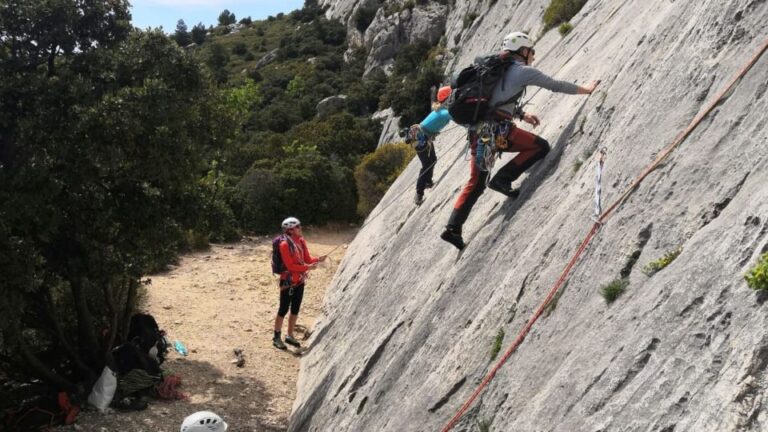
(622, 198)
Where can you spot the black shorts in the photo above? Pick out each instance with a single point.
(291, 298)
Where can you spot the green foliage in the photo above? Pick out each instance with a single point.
(613, 290)
(226, 18)
(377, 171)
(218, 58)
(497, 341)
(408, 90)
(182, 36)
(561, 11)
(469, 18)
(757, 277)
(654, 267)
(364, 16)
(484, 425)
(198, 33)
(564, 28)
(105, 134)
(240, 49)
(305, 183)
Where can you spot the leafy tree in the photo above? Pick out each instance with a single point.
(198, 33)
(217, 60)
(226, 18)
(104, 135)
(182, 36)
(376, 173)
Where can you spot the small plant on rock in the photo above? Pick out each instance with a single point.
(757, 277)
(654, 267)
(497, 344)
(613, 290)
(565, 28)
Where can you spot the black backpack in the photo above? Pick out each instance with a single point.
(145, 334)
(473, 87)
(278, 266)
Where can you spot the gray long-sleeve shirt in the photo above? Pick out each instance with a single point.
(518, 76)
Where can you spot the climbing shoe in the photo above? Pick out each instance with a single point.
(503, 189)
(291, 341)
(453, 237)
(419, 198)
(428, 184)
(278, 343)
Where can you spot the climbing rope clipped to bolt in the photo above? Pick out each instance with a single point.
(663, 155)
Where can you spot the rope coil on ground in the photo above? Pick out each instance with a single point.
(593, 231)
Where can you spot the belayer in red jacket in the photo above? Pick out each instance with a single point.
(297, 261)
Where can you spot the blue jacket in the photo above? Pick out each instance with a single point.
(435, 121)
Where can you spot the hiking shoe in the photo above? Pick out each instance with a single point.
(291, 341)
(278, 343)
(453, 238)
(428, 185)
(419, 199)
(504, 189)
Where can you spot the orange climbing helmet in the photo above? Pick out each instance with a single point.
(443, 93)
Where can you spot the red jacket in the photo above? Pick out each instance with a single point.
(296, 258)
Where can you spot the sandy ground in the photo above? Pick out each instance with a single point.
(216, 301)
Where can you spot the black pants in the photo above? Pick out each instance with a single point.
(428, 159)
(290, 297)
(530, 148)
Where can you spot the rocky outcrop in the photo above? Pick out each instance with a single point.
(331, 105)
(409, 324)
(389, 126)
(267, 59)
(387, 33)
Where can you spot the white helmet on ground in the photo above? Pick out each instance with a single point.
(290, 222)
(203, 421)
(516, 40)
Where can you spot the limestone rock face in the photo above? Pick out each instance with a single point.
(389, 126)
(409, 323)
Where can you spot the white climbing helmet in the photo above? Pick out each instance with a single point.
(290, 222)
(516, 40)
(203, 421)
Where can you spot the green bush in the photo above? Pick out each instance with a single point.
(757, 277)
(654, 267)
(377, 171)
(565, 28)
(613, 290)
(469, 19)
(497, 341)
(306, 184)
(364, 17)
(561, 11)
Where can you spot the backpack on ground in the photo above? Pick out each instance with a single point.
(470, 100)
(146, 335)
(278, 266)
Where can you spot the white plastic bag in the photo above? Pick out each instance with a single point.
(104, 390)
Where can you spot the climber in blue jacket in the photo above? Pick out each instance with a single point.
(425, 132)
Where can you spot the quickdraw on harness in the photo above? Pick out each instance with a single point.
(491, 141)
(420, 140)
(598, 181)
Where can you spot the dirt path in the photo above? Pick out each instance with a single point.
(216, 301)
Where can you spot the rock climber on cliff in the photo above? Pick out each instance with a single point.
(505, 106)
(424, 135)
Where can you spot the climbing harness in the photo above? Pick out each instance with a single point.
(593, 231)
(598, 181)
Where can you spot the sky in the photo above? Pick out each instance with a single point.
(166, 13)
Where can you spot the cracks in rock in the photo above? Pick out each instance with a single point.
(369, 365)
(444, 400)
(642, 240)
(641, 360)
(698, 301)
(749, 397)
(718, 207)
(750, 239)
